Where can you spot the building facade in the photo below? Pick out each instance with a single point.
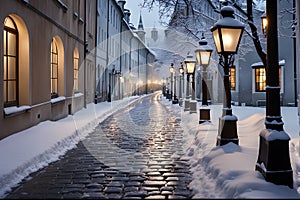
(122, 56)
(57, 56)
(42, 49)
(248, 79)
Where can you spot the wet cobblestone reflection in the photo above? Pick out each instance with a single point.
(135, 153)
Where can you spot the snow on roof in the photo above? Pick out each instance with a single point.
(260, 64)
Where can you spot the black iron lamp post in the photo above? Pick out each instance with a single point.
(168, 89)
(173, 84)
(171, 79)
(203, 57)
(274, 158)
(227, 33)
(190, 63)
(181, 74)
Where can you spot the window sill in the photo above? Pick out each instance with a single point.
(77, 94)
(58, 99)
(14, 110)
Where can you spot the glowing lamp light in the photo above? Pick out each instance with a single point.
(190, 64)
(227, 32)
(203, 53)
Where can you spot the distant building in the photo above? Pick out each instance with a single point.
(154, 34)
(247, 76)
(122, 56)
(140, 30)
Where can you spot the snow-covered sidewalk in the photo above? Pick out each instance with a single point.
(229, 171)
(29, 150)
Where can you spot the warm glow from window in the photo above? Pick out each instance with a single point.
(76, 69)
(10, 65)
(260, 80)
(54, 69)
(232, 78)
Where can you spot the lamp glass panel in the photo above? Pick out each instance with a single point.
(171, 69)
(190, 67)
(264, 23)
(217, 40)
(181, 70)
(197, 52)
(204, 57)
(230, 39)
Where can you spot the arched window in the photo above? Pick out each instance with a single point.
(10, 57)
(54, 69)
(76, 69)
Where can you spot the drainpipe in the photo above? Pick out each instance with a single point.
(108, 95)
(85, 49)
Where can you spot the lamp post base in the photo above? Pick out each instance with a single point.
(175, 100)
(193, 106)
(204, 115)
(274, 158)
(186, 105)
(227, 131)
(180, 102)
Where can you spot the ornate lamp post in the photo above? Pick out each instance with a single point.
(168, 89)
(203, 57)
(190, 63)
(171, 77)
(227, 33)
(181, 74)
(173, 84)
(274, 158)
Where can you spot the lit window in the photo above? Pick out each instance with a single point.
(76, 60)
(54, 69)
(260, 79)
(10, 57)
(232, 78)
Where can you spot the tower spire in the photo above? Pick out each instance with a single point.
(141, 25)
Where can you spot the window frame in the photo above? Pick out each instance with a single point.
(232, 88)
(6, 55)
(76, 70)
(280, 74)
(54, 92)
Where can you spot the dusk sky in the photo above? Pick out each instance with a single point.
(150, 18)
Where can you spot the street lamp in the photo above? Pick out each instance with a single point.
(168, 89)
(227, 33)
(203, 57)
(181, 74)
(273, 159)
(173, 84)
(264, 23)
(190, 64)
(171, 78)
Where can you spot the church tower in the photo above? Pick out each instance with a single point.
(140, 30)
(154, 34)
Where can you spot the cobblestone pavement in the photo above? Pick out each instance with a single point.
(133, 154)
